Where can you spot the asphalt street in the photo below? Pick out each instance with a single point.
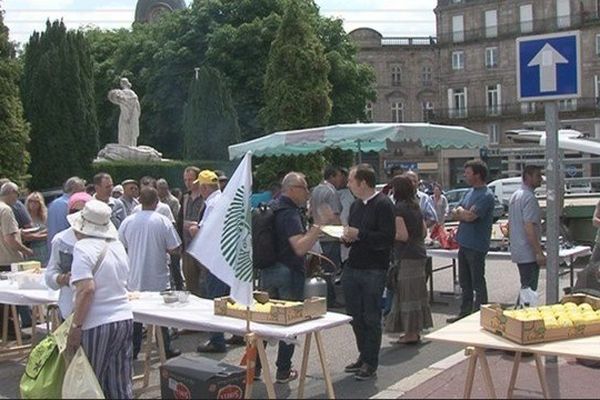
(396, 361)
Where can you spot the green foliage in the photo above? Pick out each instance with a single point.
(14, 130)
(58, 98)
(209, 119)
(172, 171)
(296, 86)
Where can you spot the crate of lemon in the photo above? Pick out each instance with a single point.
(577, 316)
(271, 311)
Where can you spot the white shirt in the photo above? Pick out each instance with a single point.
(109, 303)
(63, 242)
(210, 203)
(148, 236)
(161, 208)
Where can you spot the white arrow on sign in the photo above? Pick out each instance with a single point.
(547, 59)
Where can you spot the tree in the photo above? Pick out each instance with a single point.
(58, 98)
(14, 130)
(209, 119)
(296, 85)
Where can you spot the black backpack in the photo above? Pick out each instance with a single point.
(264, 250)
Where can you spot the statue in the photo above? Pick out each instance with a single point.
(127, 100)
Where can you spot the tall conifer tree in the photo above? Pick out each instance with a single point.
(209, 119)
(14, 130)
(58, 93)
(296, 85)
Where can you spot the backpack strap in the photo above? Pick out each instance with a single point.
(100, 258)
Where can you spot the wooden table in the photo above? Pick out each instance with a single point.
(198, 315)
(469, 333)
(567, 256)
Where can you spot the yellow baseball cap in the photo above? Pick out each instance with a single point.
(206, 177)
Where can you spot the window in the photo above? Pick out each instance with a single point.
(426, 75)
(369, 112)
(493, 99)
(397, 112)
(493, 132)
(597, 90)
(427, 111)
(491, 23)
(526, 18)
(458, 60)
(563, 13)
(598, 45)
(567, 105)
(458, 28)
(528, 107)
(457, 102)
(491, 57)
(396, 75)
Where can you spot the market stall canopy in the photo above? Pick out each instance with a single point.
(359, 137)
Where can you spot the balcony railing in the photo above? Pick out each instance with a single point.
(572, 21)
(408, 41)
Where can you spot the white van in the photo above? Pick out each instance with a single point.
(504, 188)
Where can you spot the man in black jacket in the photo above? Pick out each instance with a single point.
(370, 233)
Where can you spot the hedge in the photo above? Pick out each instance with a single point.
(172, 171)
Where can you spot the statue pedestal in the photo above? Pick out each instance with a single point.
(120, 152)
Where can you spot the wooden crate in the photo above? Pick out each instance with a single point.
(528, 332)
(279, 315)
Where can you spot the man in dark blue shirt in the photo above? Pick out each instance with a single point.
(475, 214)
(285, 279)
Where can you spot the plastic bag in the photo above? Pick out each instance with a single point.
(80, 379)
(528, 297)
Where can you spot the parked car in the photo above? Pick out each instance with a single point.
(455, 196)
(578, 187)
(504, 188)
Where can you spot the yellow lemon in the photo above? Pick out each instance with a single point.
(577, 319)
(557, 307)
(564, 322)
(509, 313)
(551, 323)
(586, 307)
(544, 308)
(570, 304)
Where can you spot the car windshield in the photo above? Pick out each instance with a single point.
(454, 196)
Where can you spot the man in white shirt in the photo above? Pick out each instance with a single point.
(149, 239)
(209, 189)
(161, 208)
(103, 186)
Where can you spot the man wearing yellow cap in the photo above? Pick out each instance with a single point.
(210, 191)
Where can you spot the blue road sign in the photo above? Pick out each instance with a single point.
(548, 67)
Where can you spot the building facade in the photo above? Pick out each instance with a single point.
(473, 60)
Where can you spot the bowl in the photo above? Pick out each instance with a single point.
(169, 297)
(183, 295)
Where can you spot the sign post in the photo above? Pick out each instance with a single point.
(548, 70)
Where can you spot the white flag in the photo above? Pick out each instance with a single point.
(224, 242)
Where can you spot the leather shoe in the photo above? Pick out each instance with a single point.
(171, 353)
(210, 348)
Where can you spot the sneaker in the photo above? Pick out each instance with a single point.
(354, 367)
(366, 373)
(286, 376)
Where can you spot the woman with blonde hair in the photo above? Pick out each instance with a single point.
(36, 207)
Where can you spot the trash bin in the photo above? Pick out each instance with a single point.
(192, 376)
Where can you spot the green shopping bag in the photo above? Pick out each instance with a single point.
(45, 369)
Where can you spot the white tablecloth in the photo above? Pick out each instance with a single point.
(198, 315)
(567, 255)
(11, 294)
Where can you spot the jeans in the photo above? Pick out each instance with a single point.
(175, 269)
(529, 273)
(363, 290)
(283, 283)
(216, 288)
(471, 276)
(331, 250)
(137, 338)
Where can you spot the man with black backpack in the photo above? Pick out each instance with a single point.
(284, 279)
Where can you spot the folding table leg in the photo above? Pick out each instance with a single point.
(5, 324)
(470, 351)
(264, 361)
(149, 336)
(485, 370)
(540, 370)
(304, 365)
(513, 375)
(160, 344)
(16, 325)
(327, 376)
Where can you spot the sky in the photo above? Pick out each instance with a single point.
(389, 17)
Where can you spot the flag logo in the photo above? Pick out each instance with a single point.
(236, 239)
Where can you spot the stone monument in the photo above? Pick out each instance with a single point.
(129, 129)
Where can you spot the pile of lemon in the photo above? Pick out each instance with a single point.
(260, 307)
(558, 315)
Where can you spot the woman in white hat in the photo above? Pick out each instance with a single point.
(102, 316)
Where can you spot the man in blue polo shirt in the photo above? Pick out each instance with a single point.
(475, 214)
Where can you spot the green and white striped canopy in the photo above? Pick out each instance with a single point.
(359, 137)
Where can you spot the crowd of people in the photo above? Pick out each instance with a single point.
(99, 244)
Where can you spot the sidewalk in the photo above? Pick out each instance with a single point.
(446, 378)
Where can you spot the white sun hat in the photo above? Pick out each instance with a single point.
(94, 220)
